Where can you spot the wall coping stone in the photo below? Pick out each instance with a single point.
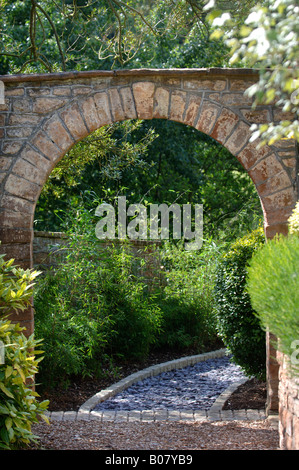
(203, 72)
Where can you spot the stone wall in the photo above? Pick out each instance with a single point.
(44, 115)
(49, 248)
(288, 406)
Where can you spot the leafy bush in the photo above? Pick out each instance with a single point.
(236, 322)
(15, 286)
(92, 308)
(19, 406)
(294, 221)
(273, 281)
(187, 298)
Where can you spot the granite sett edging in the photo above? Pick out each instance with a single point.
(151, 371)
(215, 413)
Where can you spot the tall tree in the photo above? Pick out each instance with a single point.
(38, 35)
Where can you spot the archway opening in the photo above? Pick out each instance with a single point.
(179, 164)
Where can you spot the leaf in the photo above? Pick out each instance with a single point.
(8, 371)
(5, 390)
(245, 30)
(8, 423)
(18, 368)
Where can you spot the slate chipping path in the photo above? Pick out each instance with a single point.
(192, 388)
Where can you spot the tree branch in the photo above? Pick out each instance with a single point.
(54, 31)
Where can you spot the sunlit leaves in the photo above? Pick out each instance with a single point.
(15, 286)
(19, 362)
(268, 40)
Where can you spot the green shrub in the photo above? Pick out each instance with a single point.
(19, 405)
(187, 298)
(294, 221)
(236, 322)
(92, 308)
(15, 286)
(273, 286)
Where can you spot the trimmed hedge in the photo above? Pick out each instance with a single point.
(273, 286)
(237, 324)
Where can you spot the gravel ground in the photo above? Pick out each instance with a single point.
(218, 435)
(171, 436)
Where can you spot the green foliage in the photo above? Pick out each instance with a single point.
(92, 308)
(187, 298)
(268, 39)
(272, 284)
(95, 308)
(294, 221)
(15, 286)
(19, 405)
(39, 36)
(236, 322)
(167, 162)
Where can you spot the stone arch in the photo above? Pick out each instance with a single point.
(45, 115)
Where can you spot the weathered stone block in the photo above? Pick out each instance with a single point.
(5, 162)
(144, 99)
(11, 147)
(224, 125)
(265, 168)
(116, 106)
(192, 110)
(38, 91)
(17, 235)
(90, 114)
(22, 105)
(81, 90)
(57, 132)
(62, 91)
(14, 91)
(28, 171)
(277, 216)
(18, 186)
(128, 103)
(177, 105)
(36, 159)
(47, 105)
(257, 116)
(239, 85)
(103, 109)
(281, 199)
(19, 132)
(239, 138)
(275, 183)
(16, 220)
(74, 122)
(17, 204)
(202, 85)
(20, 119)
(252, 153)
(161, 103)
(43, 143)
(231, 99)
(207, 118)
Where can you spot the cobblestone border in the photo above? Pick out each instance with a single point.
(215, 413)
